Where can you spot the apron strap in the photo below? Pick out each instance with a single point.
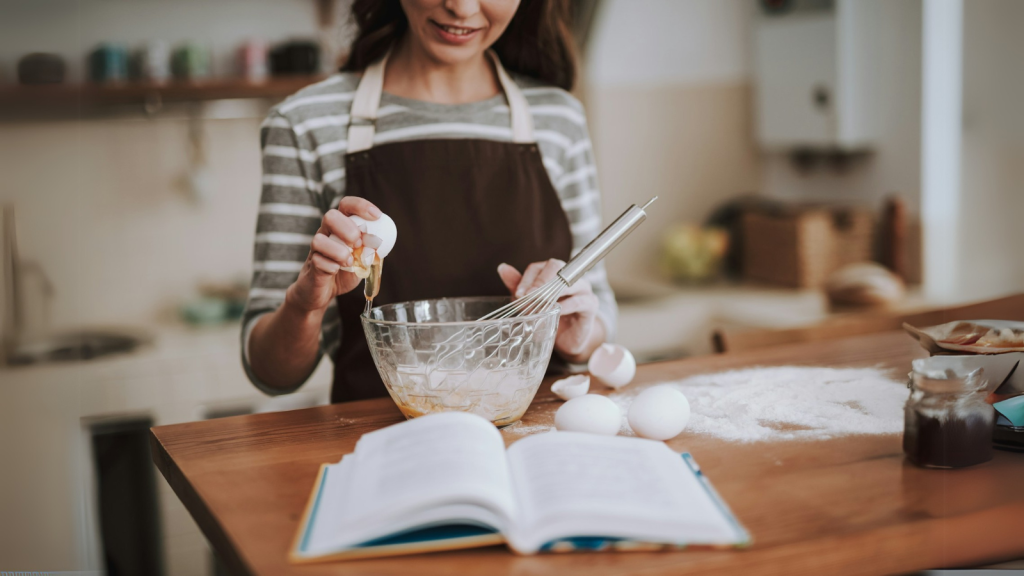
(363, 116)
(519, 108)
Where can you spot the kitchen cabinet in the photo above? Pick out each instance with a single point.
(48, 416)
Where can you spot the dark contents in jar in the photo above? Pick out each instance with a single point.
(950, 442)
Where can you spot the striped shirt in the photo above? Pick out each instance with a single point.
(304, 143)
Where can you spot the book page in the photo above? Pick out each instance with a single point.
(572, 484)
(325, 533)
(434, 460)
(322, 531)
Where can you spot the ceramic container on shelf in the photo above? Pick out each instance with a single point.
(252, 60)
(190, 62)
(108, 63)
(152, 62)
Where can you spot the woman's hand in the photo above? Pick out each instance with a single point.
(321, 279)
(580, 331)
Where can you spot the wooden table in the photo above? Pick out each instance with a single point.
(843, 506)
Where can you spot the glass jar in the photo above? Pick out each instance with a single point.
(947, 423)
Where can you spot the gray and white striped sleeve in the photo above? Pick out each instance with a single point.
(291, 208)
(581, 199)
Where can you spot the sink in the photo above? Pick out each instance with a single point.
(82, 344)
(72, 346)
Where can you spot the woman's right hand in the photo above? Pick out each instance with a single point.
(321, 279)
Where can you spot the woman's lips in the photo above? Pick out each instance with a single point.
(454, 34)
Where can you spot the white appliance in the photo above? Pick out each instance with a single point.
(816, 70)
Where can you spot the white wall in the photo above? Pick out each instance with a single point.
(72, 28)
(895, 165)
(670, 42)
(102, 205)
(668, 97)
(992, 167)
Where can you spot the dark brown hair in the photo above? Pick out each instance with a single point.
(537, 42)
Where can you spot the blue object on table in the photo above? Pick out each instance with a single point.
(108, 63)
(1012, 410)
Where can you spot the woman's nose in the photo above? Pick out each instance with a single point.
(462, 8)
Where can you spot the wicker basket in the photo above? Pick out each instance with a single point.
(801, 248)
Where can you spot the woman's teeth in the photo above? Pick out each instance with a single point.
(456, 31)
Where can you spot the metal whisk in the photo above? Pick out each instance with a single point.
(544, 298)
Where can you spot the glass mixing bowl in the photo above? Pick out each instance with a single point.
(434, 357)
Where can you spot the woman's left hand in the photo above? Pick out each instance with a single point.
(580, 331)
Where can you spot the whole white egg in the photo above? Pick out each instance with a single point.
(591, 413)
(659, 413)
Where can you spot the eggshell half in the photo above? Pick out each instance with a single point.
(613, 365)
(383, 228)
(590, 413)
(659, 413)
(571, 387)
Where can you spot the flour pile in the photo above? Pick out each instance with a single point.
(520, 429)
(789, 403)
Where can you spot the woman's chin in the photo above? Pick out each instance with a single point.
(453, 55)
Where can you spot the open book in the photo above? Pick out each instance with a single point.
(445, 481)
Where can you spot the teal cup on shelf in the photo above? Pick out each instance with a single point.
(108, 63)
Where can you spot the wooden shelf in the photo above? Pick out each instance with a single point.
(69, 99)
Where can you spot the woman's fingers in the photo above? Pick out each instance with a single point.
(332, 250)
(529, 278)
(537, 274)
(580, 303)
(343, 227)
(510, 277)
(355, 206)
(580, 287)
(324, 265)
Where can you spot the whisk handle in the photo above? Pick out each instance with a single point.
(604, 243)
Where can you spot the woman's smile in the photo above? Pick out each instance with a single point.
(455, 34)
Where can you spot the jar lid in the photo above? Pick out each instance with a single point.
(946, 380)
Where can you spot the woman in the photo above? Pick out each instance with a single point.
(478, 170)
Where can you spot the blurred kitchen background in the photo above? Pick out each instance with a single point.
(790, 142)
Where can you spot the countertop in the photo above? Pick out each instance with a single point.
(842, 505)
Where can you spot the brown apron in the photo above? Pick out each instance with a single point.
(462, 207)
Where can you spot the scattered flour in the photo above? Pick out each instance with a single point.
(788, 403)
(520, 429)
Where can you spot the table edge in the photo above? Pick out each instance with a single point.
(227, 551)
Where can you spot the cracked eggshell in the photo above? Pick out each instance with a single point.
(571, 387)
(363, 258)
(383, 228)
(613, 365)
(366, 256)
(590, 413)
(659, 413)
